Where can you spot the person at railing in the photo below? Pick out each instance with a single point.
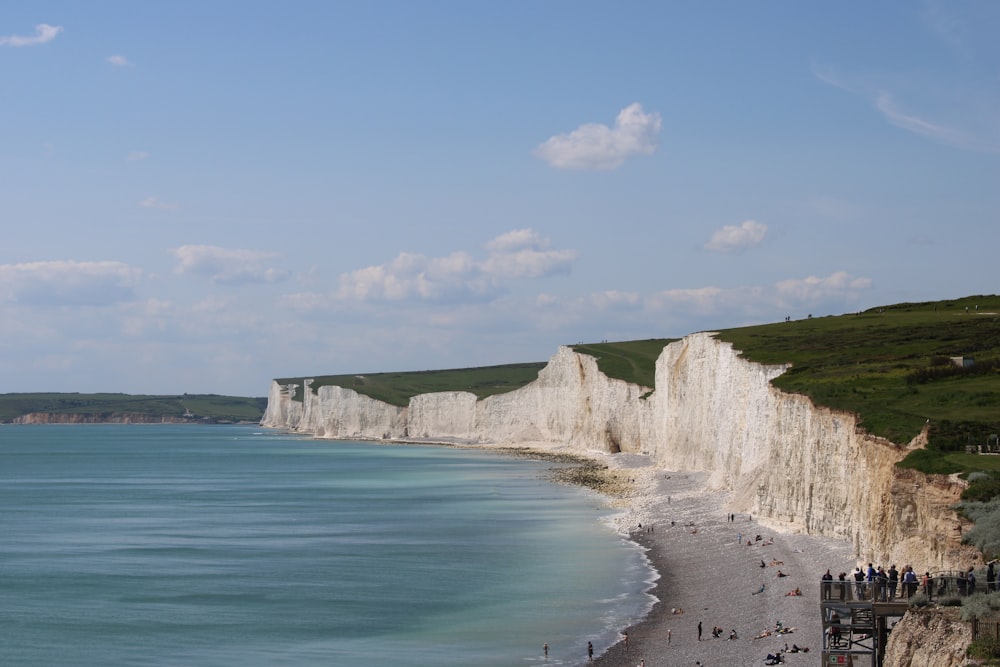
(893, 581)
(991, 577)
(826, 586)
(971, 579)
(909, 581)
(881, 584)
(842, 583)
(859, 586)
(961, 583)
(927, 584)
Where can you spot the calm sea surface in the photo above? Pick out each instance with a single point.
(233, 545)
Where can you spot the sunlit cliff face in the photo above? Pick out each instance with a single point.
(788, 462)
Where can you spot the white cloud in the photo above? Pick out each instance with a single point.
(596, 146)
(68, 283)
(813, 289)
(458, 276)
(759, 303)
(119, 61)
(139, 156)
(227, 266)
(737, 237)
(522, 253)
(153, 202)
(43, 33)
(616, 300)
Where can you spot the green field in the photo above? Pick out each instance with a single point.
(632, 361)
(891, 366)
(204, 407)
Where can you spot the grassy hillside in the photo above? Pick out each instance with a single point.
(891, 365)
(209, 406)
(633, 361)
(399, 388)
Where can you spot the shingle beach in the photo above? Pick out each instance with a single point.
(709, 575)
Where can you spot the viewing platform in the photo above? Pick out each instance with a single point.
(859, 615)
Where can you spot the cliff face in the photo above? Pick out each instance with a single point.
(787, 461)
(928, 638)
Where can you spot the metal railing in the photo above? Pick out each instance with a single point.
(935, 586)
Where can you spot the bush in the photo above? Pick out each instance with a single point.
(985, 535)
(950, 601)
(984, 649)
(980, 605)
(983, 486)
(918, 600)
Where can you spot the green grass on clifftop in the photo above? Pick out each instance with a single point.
(632, 361)
(891, 366)
(399, 388)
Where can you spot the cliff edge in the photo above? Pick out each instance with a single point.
(790, 463)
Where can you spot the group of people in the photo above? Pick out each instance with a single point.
(881, 585)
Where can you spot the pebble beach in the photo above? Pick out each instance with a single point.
(709, 575)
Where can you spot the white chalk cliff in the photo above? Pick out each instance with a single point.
(787, 461)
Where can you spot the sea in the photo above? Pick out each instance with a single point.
(226, 545)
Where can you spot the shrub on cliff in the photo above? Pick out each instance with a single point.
(983, 486)
(985, 535)
(984, 648)
(980, 605)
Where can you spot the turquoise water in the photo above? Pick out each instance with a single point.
(233, 545)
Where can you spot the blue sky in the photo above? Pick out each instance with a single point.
(202, 196)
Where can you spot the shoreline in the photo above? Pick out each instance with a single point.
(707, 570)
(702, 569)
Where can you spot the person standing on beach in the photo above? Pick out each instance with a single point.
(699, 630)
(590, 652)
(670, 634)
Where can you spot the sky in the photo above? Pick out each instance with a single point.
(203, 196)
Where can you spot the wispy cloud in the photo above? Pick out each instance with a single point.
(896, 116)
(139, 156)
(228, 266)
(599, 147)
(459, 277)
(68, 283)
(119, 61)
(737, 237)
(976, 121)
(153, 202)
(960, 109)
(43, 33)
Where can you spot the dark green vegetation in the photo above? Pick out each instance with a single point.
(399, 388)
(632, 361)
(204, 407)
(892, 367)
